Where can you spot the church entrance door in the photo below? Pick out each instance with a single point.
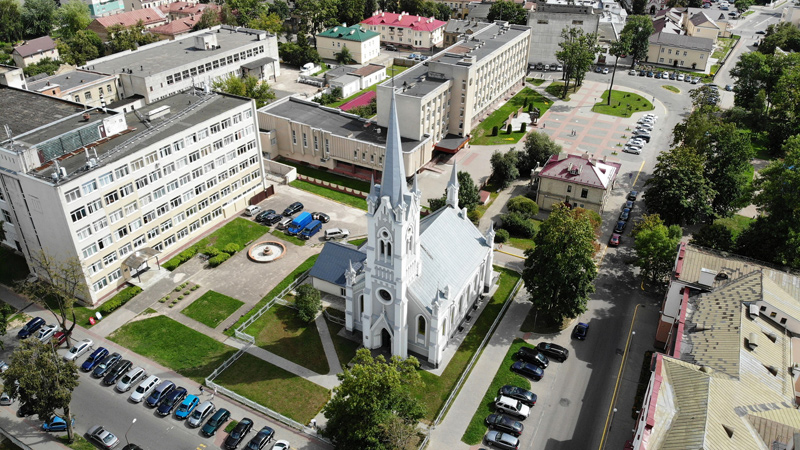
(386, 340)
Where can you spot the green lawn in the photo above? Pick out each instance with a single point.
(725, 45)
(714, 69)
(760, 141)
(291, 239)
(671, 88)
(345, 348)
(330, 177)
(83, 313)
(391, 71)
(535, 81)
(747, 13)
(520, 243)
(12, 267)
(306, 265)
(434, 390)
(477, 428)
(357, 242)
(281, 332)
(239, 231)
(556, 89)
(324, 67)
(483, 132)
(80, 442)
(212, 308)
(275, 388)
(623, 104)
(341, 197)
(736, 224)
(174, 345)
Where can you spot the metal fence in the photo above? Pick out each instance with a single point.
(239, 331)
(334, 319)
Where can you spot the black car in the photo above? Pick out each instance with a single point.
(215, 422)
(173, 399)
(527, 398)
(391, 48)
(272, 219)
(132, 447)
(117, 371)
(620, 227)
(292, 209)
(553, 351)
(263, 215)
(239, 432)
(761, 32)
(106, 365)
(533, 356)
(528, 370)
(25, 410)
(504, 423)
(632, 195)
(31, 327)
(261, 439)
(322, 217)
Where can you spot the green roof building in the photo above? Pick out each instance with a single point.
(363, 44)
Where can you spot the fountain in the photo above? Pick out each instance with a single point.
(266, 251)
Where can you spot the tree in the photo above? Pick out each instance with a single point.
(518, 225)
(639, 7)
(271, 22)
(504, 167)
(45, 65)
(6, 311)
(508, 10)
(84, 46)
(743, 5)
(366, 111)
(469, 195)
(344, 56)
(209, 19)
(728, 169)
(678, 190)
(783, 35)
(308, 302)
(539, 147)
(370, 6)
(38, 17)
(11, 27)
(371, 394)
(637, 32)
(577, 52)
(524, 206)
(442, 11)
(72, 17)
(42, 380)
(351, 12)
(227, 16)
(280, 8)
(249, 87)
(247, 10)
(560, 270)
(619, 48)
(716, 236)
(656, 246)
(316, 15)
(129, 38)
(751, 72)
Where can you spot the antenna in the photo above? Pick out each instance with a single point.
(8, 133)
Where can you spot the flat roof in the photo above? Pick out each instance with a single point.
(333, 121)
(24, 111)
(67, 80)
(482, 44)
(167, 55)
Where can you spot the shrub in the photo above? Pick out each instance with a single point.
(185, 292)
(120, 299)
(474, 216)
(219, 259)
(171, 265)
(524, 206)
(522, 126)
(211, 251)
(195, 287)
(308, 302)
(231, 248)
(180, 297)
(518, 225)
(163, 300)
(509, 129)
(495, 130)
(501, 236)
(177, 289)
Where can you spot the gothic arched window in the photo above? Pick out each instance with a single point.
(421, 326)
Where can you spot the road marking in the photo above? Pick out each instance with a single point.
(509, 254)
(637, 175)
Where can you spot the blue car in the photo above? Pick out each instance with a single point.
(171, 400)
(56, 424)
(94, 359)
(186, 407)
(580, 331)
(31, 327)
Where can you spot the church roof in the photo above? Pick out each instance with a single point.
(334, 261)
(393, 181)
(452, 248)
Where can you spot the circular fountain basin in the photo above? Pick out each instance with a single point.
(266, 251)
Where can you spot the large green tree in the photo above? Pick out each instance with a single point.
(578, 51)
(783, 35)
(656, 246)
(637, 31)
(271, 22)
(129, 38)
(678, 190)
(468, 194)
(504, 167)
(84, 46)
(351, 12)
(317, 15)
(372, 395)
(44, 65)
(11, 26)
(6, 311)
(539, 147)
(308, 302)
(560, 271)
(249, 87)
(508, 10)
(619, 48)
(38, 17)
(344, 56)
(37, 377)
(209, 19)
(247, 10)
(728, 169)
(72, 17)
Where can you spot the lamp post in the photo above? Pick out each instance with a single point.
(129, 429)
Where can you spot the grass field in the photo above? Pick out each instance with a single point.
(357, 242)
(174, 345)
(306, 265)
(671, 88)
(434, 390)
(330, 177)
(535, 81)
(345, 348)
(556, 89)
(504, 376)
(281, 332)
(483, 132)
(12, 267)
(212, 308)
(623, 104)
(275, 388)
(725, 47)
(239, 231)
(291, 239)
(341, 197)
(80, 443)
(736, 224)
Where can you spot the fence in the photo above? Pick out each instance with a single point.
(239, 332)
(334, 319)
(334, 186)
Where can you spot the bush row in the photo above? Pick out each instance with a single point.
(118, 300)
(212, 253)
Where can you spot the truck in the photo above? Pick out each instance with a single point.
(298, 223)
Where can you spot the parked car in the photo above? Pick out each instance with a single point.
(160, 393)
(25, 410)
(642, 134)
(642, 73)
(580, 331)
(46, 333)
(116, 372)
(598, 69)
(527, 397)
(681, 77)
(527, 369)
(5, 399)
(143, 389)
(512, 407)
(31, 327)
(553, 351)
(412, 56)
(94, 359)
(281, 445)
(628, 204)
(533, 356)
(310, 230)
(620, 226)
(59, 338)
(504, 423)
(546, 67)
(106, 365)
(650, 74)
(261, 439)
(292, 209)
(299, 223)
(3, 366)
(501, 440)
(632, 72)
(336, 233)
(129, 379)
(605, 70)
(171, 400)
(56, 424)
(263, 215)
(252, 210)
(625, 214)
(761, 32)
(615, 240)
(103, 437)
(238, 433)
(391, 48)
(632, 149)
(187, 406)
(201, 413)
(215, 422)
(632, 195)
(729, 87)
(78, 349)
(272, 219)
(322, 217)
(673, 76)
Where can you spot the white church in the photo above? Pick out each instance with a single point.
(413, 281)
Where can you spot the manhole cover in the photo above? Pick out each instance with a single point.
(564, 402)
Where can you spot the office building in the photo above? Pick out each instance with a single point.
(82, 86)
(550, 17)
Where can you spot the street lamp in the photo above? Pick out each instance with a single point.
(129, 429)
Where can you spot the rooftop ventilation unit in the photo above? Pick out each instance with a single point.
(707, 277)
(752, 341)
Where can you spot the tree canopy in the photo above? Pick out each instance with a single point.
(72, 17)
(504, 167)
(38, 17)
(130, 38)
(308, 302)
(209, 19)
(249, 87)
(578, 50)
(11, 26)
(656, 246)
(636, 33)
(539, 147)
(678, 190)
(85, 45)
(508, 10)
(344, 56)
(468, 194)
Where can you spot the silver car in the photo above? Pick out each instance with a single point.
(46, 333)
(129, 379)
(78, 349)
(103, 437)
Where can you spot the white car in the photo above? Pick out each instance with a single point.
(144, 388)
(281, 445)
(78, 349)
(651, 116)
(681, 77)
(605, 70)
(46, 333)
(645, 126)
(632, 149)
(512, 407)
(631, 72)
(336, 233)
(635, 143)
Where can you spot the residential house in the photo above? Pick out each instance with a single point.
(577, 180)
(677, 50)
(364, 45)
(457, 30)
(34, 50)
(81, 86)
(406, 30)
(102, 8)
(149, 17)
(700, 24)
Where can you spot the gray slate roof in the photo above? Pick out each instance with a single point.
(334, 260)
(682, 41)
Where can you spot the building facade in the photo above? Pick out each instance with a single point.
(580, 181)
(164, 68)
(102, 8)
(81, 86)
(461, 29)
(405, 30)
(35, 50)
(550, 17)
(106, 187)
(364, 45)
(683, 51)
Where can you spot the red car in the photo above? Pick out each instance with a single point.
(615, 240)
(59, 339)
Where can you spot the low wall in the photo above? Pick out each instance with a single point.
(333, 186)
(286, 172)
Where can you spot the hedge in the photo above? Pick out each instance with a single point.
(231, 248)
(120, 299)
(181, 258)
(219, 259)
(501, 236)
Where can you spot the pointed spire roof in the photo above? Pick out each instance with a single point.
(415, 188)
(452, 187)
(393, 182)
(454, 174)
(372, 185)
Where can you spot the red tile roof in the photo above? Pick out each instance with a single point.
(176, 27)
(34, 46)
(581, 169)
(403, 20)
(127, 19)
(186, 8)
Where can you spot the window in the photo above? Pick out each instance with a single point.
(305, 140)
(72, 195)
(78, 214)
(145, 200)
(142, 182)
(150, 158)
(95, 267)
(126, 190)
(192, 210)
(584, 193)
(115, 275)
(181, 162)
(131, 208)
(116, 216)
(99, 285)
(149, 217)
(137, 164)
(89, 187)
(111, 197)
(166, 225)
(161, 210)
(121, 233)
(168, 169)
(99, 224)
(294, 137)
(104, 242)
(155, 176)
(135, 225)
(88, 95)
(180, 217)
(160, 192)
(194, 156)
(203, 204)
(106, 179)
(205, 219)
(421, 327)
(84, 233)
(169, 240)
(211, 183)
(89, 251)
(139, 241)
(194, 226)
(199, 189)
(185, 179)
(125, 249)
(165, 151)
(569, 188)
(182, 233)
(153, 233)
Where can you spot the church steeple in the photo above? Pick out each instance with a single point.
(452, 188)
(393, 181)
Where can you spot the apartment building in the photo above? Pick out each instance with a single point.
(35, 50)
(364, 45)
(164, 68)
(406, 30)
(455, 89)
(82, 86)
(114, 189)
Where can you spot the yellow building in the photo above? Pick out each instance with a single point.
(677, 50)
(579, 180)
(364, 45)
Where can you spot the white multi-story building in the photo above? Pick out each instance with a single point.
(112, 189)
(161, 69)
(406, 30)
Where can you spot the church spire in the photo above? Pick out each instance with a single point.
(452, 187)
(393, 181)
